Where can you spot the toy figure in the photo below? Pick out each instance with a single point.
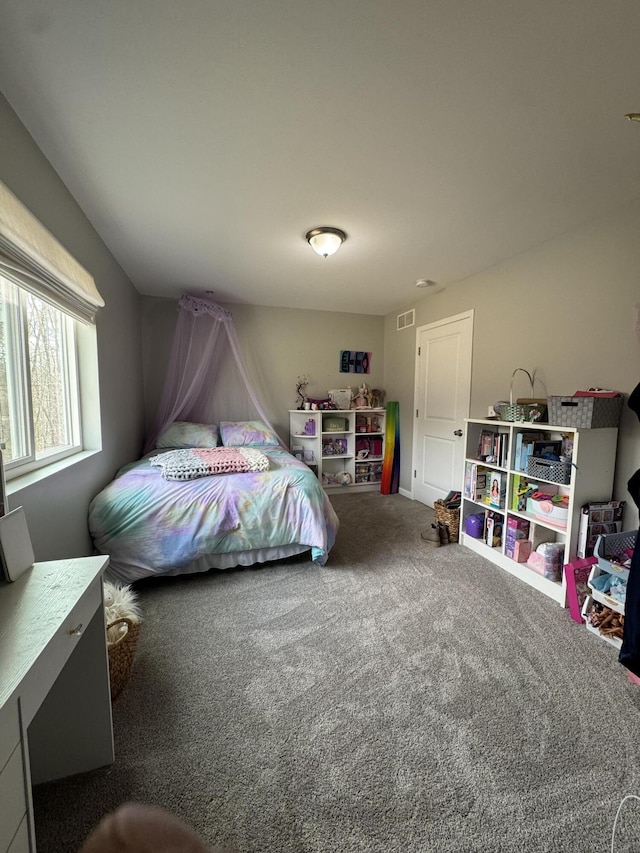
(362, 400)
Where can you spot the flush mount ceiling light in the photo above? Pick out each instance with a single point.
(425, 282)
(633, 116)
(325, 241)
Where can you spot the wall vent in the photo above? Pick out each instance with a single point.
(407, 319)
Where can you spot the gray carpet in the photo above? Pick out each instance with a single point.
(402, 698)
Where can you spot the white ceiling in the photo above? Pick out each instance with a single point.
(204, 138)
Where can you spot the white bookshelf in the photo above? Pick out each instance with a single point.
(591, 479)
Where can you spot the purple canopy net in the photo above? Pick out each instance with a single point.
(207, 379)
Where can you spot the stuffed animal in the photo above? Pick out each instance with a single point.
(119, 602)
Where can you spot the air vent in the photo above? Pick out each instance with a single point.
(407, 319)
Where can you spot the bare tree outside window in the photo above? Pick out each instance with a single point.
(39, 420)
(47, 364)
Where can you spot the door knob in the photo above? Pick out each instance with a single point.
(457, 432)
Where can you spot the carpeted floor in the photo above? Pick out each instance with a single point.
(403, 698)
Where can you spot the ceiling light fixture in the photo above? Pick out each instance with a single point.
(633, 116)
(425, 282)
(325, 241)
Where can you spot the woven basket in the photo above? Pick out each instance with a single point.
(121, 654)
(530, 409)
(450, 517)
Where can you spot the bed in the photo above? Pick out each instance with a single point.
(151, 525)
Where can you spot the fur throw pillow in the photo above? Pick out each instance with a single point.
(119, 601)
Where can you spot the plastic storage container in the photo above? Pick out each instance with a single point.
(604, 595)
(474, 525)
(588, 605)
(612, 547)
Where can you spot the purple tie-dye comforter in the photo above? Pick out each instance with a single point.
(151, 526)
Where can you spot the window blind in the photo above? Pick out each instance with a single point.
(32, 257)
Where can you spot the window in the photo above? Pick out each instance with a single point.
(39, 400)
(48, 301)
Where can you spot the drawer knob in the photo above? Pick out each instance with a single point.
(77, 631)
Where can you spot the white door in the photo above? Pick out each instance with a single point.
(442, 395)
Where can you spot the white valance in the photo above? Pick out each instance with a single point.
(32, 257)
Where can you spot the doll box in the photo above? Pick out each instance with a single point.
(577, 576)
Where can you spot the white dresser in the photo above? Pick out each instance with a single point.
(55, 705)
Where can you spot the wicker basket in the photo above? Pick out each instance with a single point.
(449, 517)
(121, 654)
(530, 409)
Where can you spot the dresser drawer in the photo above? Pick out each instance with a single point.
(54, 656)
(13, 803)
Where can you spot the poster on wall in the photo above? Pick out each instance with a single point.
(352, 361)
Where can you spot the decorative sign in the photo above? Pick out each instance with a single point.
(354, 362)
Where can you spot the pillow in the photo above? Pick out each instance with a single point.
(185, 434)
(196, 462)
(246, 434)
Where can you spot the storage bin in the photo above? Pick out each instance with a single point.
(375, 471)
(474, 525)
(587, 607)
(604, 596)
(553, 512)
(526, 408)
(610, 546)
(547, 559)
(547, 469)
(585, 412)
(449, 517)
(121, 653)
(334, 424)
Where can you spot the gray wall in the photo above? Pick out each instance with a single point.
(56, 507)
(565, 309)
(279, 344)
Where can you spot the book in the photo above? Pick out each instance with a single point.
(496, 488)
(523, 488)
(470, 469)
(517, 452)
(525, 448)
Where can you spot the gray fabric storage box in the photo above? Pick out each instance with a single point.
(548, 469)
(585, 412)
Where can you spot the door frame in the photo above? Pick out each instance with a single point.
(445, 321)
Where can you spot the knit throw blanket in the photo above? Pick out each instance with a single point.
(200, 462)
